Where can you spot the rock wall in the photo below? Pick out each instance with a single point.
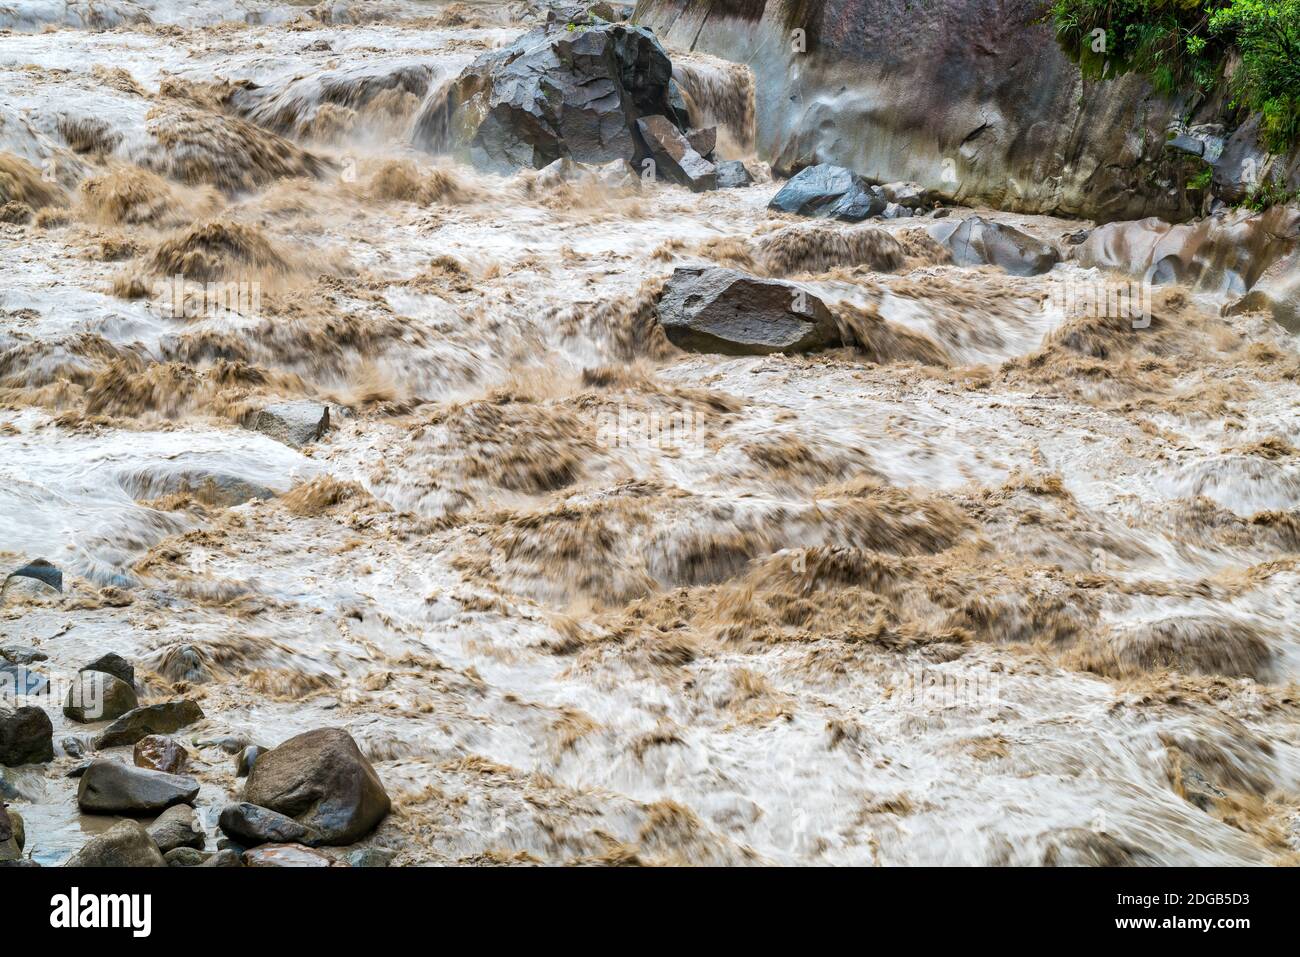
(973, 98)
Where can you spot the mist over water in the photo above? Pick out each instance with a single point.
(991, 584)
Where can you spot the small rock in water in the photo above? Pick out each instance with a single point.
(829, 191)
(711, 309)
(99, 696)
(162, 718)
(295, 423)
(115, 665)
(177, 826)
(675, 159)
(247, 758)
(21, 655)
(160, 753)
(230, 744)
(125, 844)
(703, 140)
(184, 663)
(73, 747)
(224, 858)
(251, 825)
(110, 787)
(80, 768)
(371, 857)
(288, 855)
(907, 195)
(26, 736)
(733, 174)
(323, 781)
(185, 857)
(39, 570)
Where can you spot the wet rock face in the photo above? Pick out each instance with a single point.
(110, 787)
(98, 696)
(115, 665)
(159, 753)
(323, 781)
(177, 827)
(155, 719)
(556, 92)
(973, 99)
(251, 825)
(977, 242)
(732, 313)
(26, 736)
(674, 155)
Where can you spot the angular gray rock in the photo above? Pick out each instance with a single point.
(115, 665)
(829, 192)
(154, 719)
(110, 787)
(295, 423)
(26, 736)
(323, 781)
(178, 826)
(125, 844)
(976, 241)
(711, 309)
(98, 696)
(250, 825)
(676, 160)
(907, 195)
(21, 655)
(733, 174)
(704, 141)
(555, 92)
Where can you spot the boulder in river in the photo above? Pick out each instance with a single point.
(733, 174)
(711, 309)
(157, 752)
(674, 156)
(26, 736)
(185, 857)
(251, 825)
(115, 665)
(296, 422)
(976, 241)
(323, 781)
(162, 718)
(125, 844)
(110, 787)
(99, 696)
(830, 192)
(562, 90)
(178, 826)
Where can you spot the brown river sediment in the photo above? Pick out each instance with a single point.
(990, 585)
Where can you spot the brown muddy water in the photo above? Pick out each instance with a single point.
(997, 586)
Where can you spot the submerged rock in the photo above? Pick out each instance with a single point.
(110, 787)
(184, 663)
(711, 309)
(977, 241)
(323, 781)
(555, 92)
(831, 192)
(733, 174)
(155, 719)
(675, 157)
(26, 736)
(125, 844)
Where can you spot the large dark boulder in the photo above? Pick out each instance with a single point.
(829, 191)
(711, 309)
(154, 719)
(110, 787)
(26, 736)
(567, 89)
(113, 664)
(125, 844)
(178, 826)
(323, 781)
(99, 696)
(978, 242)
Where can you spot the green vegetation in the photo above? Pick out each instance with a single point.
(1182, 43)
